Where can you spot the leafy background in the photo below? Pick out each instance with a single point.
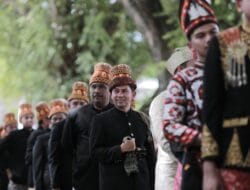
(47, 45)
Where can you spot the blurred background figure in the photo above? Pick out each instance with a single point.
(60, 161)
(42, 115)
(166, 163)
(58, 112)
(15, 146)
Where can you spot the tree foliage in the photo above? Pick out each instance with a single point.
(47, 45)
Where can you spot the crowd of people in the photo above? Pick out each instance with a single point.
(196, 136)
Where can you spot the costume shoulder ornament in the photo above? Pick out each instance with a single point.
(234, 47)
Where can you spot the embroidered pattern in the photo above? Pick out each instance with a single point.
(247, 160)
(235, 122)
(209, 146)
(182, 106)
(234, 156)
(234, 48)
(235, 179)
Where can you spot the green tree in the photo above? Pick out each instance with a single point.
(46, 45)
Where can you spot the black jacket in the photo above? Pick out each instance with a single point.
(3, 179)
(40, 163)
(60, 161)
(226, 103)
(75, 139)
(3, 174)
(108, 131)
(28, 156)
(15, 145)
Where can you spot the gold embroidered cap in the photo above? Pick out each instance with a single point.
(101, 73)
(42, 111)
(58, 106)
(25, 109)
(9, 119)
(180, 56)
(79, 91)
(121, 75)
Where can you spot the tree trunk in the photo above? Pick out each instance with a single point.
(149, 21)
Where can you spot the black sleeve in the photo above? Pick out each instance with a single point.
(212, 112)
(55, 155)
(3, 157)
(4, 180)
(151, 157)
(67, 133)
(30, 144)
(151, 153)
(5, 143)
(98, 149)
(38, 164)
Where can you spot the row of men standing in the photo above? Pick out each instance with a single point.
(98, 145)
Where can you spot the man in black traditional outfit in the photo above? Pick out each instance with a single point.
(75, 137)
(121, 139)
(15, 146)
(42, 114)
(226, 131)
(60, 161)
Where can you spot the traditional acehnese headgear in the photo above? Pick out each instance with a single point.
(180, 56)
(101, 73)
(25, 109)
(58, 106)
(42, 111)
(121, 75)
(9, 119)
(194, 13)
(79, 91)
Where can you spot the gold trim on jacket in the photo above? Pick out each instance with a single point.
(235, 122)
(209, 146)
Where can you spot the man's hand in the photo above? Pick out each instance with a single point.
(211, 177)
(128, 144)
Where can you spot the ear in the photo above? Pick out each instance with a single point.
(189, 44)
(134, 93)
(238, 5)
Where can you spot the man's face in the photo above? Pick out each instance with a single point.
(200, 38)
(10, 128)
(244, 7)
(76, 103)
(57, 117)
(45, 123)
(122, 97)
(27, 120)
(99, 94)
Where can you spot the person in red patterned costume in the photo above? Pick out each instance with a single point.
(183, 96)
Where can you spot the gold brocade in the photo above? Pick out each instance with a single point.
(247, 160)
(235, 122)
(209, 146)
(234, 46)
(234, 156)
